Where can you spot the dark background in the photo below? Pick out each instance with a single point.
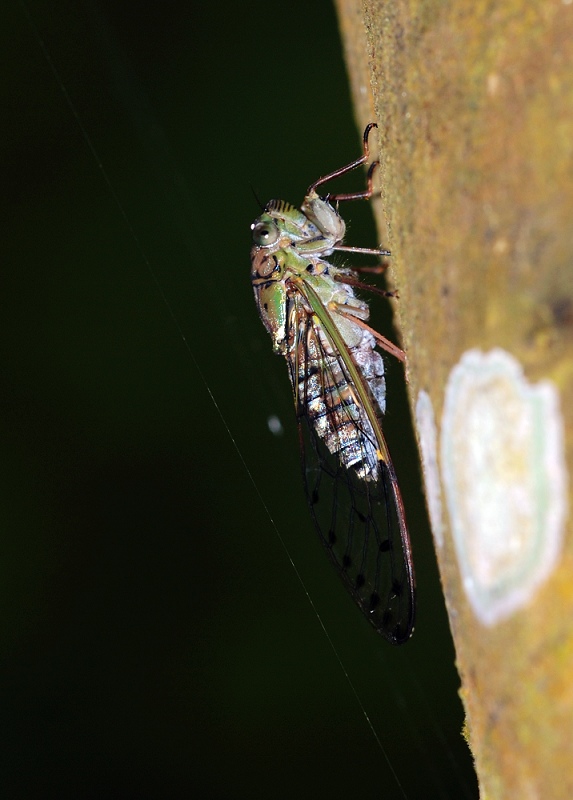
(155, 640)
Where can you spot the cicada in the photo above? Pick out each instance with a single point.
(315, 319)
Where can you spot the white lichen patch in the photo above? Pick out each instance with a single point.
(505, 480)
(428, 437)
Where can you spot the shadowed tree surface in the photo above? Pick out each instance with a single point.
(474, 105)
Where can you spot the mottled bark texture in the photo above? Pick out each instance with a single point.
(474, 103)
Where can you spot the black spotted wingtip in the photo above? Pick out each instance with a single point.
(399, 634)
(396, 625)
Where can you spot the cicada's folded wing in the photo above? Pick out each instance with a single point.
(349, 478)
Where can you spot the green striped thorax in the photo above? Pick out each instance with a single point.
(314, 229)
(292, 243)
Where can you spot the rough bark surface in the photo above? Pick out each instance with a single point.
(474, 105)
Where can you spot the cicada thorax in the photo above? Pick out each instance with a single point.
(316, 228)
(267, 277)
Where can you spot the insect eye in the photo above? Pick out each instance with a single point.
(265, 233)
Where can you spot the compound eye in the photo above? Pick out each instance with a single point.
(265, 233)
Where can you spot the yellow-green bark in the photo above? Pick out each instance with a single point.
(474, 104)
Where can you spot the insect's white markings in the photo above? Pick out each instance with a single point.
(428, 436)
(505, 479)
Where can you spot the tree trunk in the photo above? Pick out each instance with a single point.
(474, 106)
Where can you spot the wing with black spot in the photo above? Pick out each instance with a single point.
(356, 506)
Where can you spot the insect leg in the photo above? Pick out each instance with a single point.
(382, 341)
(366, 195)
(351, 281)
(349, 167)
(368, 251)
(379, 269)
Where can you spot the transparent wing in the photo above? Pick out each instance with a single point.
(360, 521)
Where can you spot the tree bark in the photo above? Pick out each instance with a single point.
(474, 106)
